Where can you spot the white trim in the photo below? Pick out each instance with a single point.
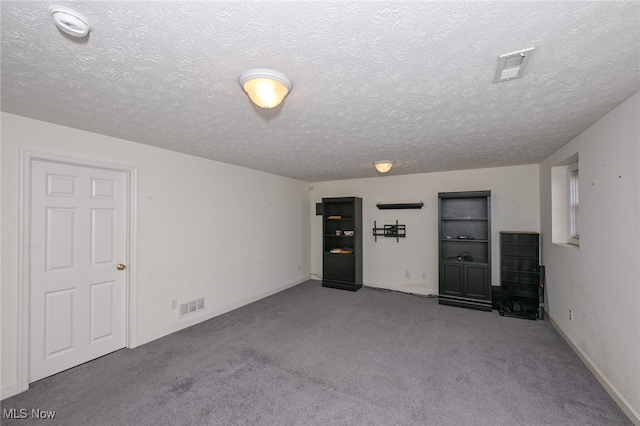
(619, 399)
(196, 319)
(569, 245)
(132, 258)
(24, 280)
(573, 175)
(9, 390)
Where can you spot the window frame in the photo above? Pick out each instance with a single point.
(573, 174)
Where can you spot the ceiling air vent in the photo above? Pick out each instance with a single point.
(512, 65)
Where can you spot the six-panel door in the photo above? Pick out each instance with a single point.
(78, 238)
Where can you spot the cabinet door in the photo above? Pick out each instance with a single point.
(476, 279)
(347, 270)
(451, 279)
(331, 269)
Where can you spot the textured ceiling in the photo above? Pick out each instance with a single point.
(409, 81)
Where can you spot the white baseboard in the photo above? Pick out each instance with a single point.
(198, 318)
(8, 391)
(624, 405)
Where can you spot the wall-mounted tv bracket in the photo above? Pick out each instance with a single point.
(390, 231)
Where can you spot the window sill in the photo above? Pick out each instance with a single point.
(570, 245)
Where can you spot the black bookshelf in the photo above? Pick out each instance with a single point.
(342, 243)
(465, 249)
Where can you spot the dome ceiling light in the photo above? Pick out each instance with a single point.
(383, 166)
(266, 88)
(70, 22)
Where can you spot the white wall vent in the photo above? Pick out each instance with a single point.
(512, 65)
(186, 308)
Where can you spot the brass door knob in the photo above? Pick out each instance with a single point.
(121, 266)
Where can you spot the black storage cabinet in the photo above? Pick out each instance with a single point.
(342, 249)
(520, 269)
(465, 249)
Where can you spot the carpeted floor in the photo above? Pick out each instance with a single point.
(317, 356)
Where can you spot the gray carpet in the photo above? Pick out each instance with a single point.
(317, 356)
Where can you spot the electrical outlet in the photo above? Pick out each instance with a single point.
(174, 304)
(407, 274)
(298, 267)
(570, 314)
(424, 275)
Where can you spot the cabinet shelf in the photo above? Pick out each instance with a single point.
(520, 280)
(475, 262)
(521, 271)
(528, 295)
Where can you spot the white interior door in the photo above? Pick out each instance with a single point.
(78, 239)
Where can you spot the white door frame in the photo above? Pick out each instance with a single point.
(24, 253)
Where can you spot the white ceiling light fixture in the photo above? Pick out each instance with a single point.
(266, 88)
(383, 166)
(512, 65)
(70, 22)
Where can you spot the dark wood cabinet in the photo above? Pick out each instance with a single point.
(342, 243)
(465, 249)
(339, 267)
(520, 269)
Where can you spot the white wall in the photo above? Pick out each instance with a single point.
(206, 228)
(514, 206)
(600, 281)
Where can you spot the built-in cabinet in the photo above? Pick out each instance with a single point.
(465, 249)
(342, 243)
(520, 270)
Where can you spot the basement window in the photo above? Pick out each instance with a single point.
(565, 202)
